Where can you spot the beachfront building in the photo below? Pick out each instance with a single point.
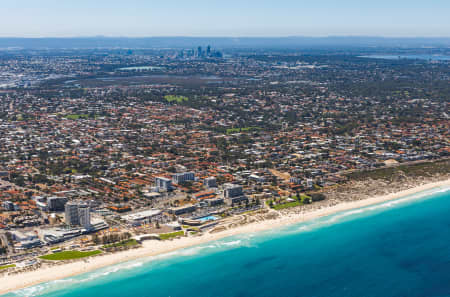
(137, 218)
(215, 202)
(71, 214)
(78, 214)
(234, 194)
(182, 210)
(84, 214)
(231, 191)
(25, 240)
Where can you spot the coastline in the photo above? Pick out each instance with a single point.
(152, 248)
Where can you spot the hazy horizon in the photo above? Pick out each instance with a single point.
(293, 42)
(233, 18)
(228, 36)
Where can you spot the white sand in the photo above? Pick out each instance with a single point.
(10, 283)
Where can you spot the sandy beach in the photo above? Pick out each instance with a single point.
(151, 248)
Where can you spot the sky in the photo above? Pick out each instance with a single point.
(145, 18)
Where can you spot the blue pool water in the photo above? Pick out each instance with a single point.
(208, 218)
(397, 248)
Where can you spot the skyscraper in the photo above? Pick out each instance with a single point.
(78, 214)
(84, 214)
(71, 211)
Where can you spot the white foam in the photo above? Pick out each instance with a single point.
(31, 291)
(232, 243)
(384, 205)
(59, 284)
(224, 244)
(104, 272)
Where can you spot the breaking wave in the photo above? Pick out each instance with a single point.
(63, 283)
(127, 266)
(350, 214)
(242, 240)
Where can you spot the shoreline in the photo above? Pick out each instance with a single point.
(16, 282)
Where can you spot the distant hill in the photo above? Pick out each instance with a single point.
(222, 42)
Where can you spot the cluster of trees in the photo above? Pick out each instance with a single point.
(318, 197)
(247, 203)
(110, 238)
(302, 199)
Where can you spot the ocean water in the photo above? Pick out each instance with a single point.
(414, 57)
(397, 248)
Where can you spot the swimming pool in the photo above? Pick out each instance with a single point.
(208, 218)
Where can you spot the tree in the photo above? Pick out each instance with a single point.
(20, 181)
(95, 238)
(318, 197)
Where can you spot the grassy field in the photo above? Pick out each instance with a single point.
(178, 99)
(287, 205)
(125, 243)
(302, 197)
(238, 130)
(69, 255)
(7, 266)
(299, 201)
(166, 236)
(76, 116)
(191, 228)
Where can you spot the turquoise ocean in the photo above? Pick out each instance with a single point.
(396, 248)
